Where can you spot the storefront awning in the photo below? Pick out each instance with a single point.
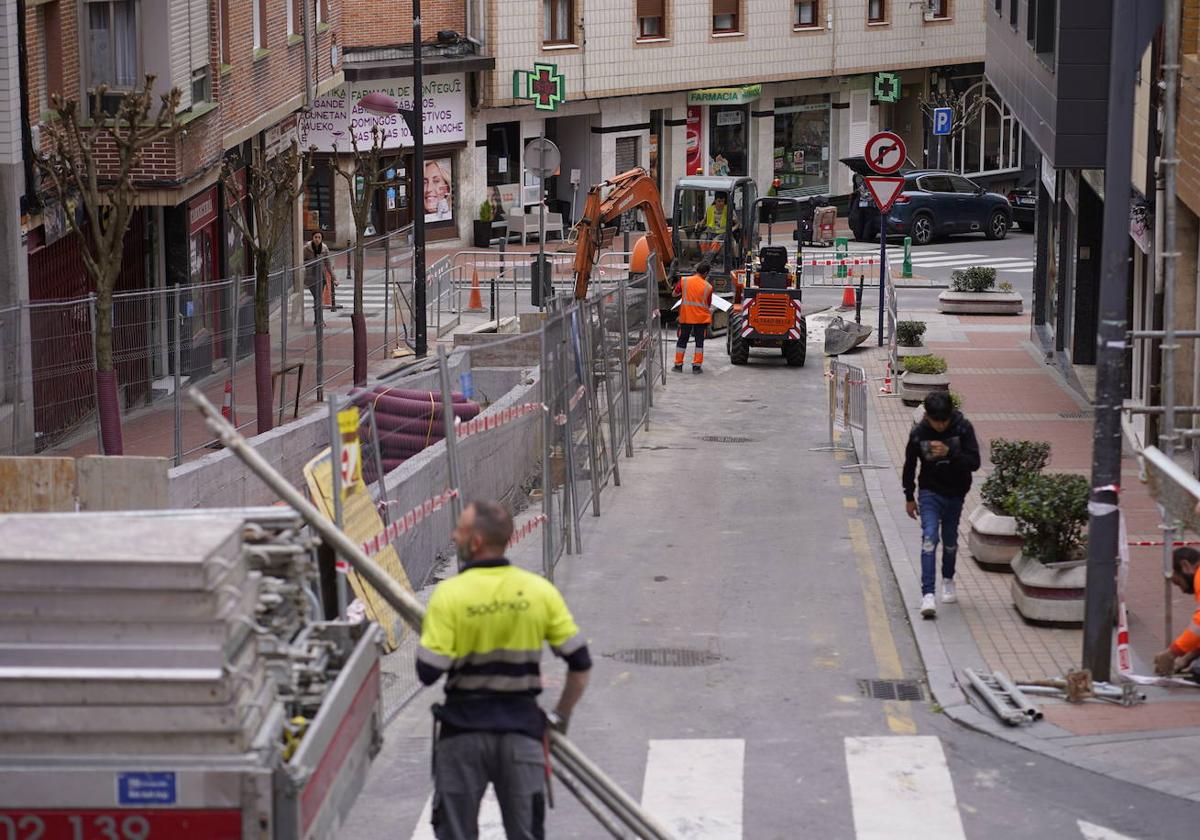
(725, 96)
(403, 67)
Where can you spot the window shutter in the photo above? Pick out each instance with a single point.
(181, 62)
(650, 8)
(725, 7)
(627, 153)
(199, 34)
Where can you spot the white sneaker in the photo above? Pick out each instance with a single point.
(928, 606)
(949, 596)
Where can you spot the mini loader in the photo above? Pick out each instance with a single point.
(766, 303)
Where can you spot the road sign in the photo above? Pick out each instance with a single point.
(542, 157)
(545, 86)
(887, 87)
(884, 191)
(885, 153)
(943, 120)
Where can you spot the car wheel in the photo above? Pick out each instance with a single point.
(922, 229)
(998, 226)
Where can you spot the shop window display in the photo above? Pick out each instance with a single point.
(801, 151)
(727, 142)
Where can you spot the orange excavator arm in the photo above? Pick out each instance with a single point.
(630, 190)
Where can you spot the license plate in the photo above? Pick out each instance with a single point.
(120, 824)
(1027, 202)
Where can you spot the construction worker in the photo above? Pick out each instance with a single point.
(485, 629)
(695, 314)
(1184, 652)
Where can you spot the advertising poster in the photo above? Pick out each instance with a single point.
(695, 126)
(439, 189)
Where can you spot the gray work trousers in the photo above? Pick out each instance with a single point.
(515, 766)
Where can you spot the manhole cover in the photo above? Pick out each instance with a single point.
(1076, 415)
(669, 657)
(891, 689)
(726, 439)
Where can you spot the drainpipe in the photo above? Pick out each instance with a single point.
(310, 68)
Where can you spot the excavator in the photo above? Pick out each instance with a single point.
(680, 246)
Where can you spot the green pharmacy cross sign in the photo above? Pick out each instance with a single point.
(545, 86)
(887, 87)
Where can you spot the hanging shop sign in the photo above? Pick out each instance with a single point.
(328, 125)
(544, 86)
(725, 96)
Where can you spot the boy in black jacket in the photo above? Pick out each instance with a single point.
(944, 444)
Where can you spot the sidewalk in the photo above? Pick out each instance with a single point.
(1009, 391)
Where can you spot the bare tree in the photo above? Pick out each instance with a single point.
(79, 168)
(272, 187)
(965, 107)
(367, 167)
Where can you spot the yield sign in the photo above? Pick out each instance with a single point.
(884, 191)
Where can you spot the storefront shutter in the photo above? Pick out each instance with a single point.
(725, 7)
(627, 153)
(650, 8)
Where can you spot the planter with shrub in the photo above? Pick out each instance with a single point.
(973, 292)
(1050, 573)
(922, 376)
(909, 338)
(481, 230)
(993, 539)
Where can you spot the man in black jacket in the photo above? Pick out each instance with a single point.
(945, 446)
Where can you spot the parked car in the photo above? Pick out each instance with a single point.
(1024, 207)
(932, 203)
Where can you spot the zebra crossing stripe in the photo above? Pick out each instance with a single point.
(900, 786)
(693, 787)
(1090, 831)
(947, 260)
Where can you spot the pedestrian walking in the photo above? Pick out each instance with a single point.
(317, 272)
(484, 628)
(944, 445)
(1184, 652)
(695, 314)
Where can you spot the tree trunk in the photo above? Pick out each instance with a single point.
(107, 405)
(358, 320)
(262, 342)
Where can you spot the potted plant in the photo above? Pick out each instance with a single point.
(909, 336)
(973, 292)
(1050, 573)
(481, 236)
(922, 375)
(993, 538)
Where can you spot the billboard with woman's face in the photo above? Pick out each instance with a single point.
(439, 188)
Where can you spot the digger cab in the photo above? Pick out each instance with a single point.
(714, 220)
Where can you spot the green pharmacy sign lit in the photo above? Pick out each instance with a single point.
(545, 86)
(887, 87)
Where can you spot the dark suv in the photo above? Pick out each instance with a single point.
(933, 203)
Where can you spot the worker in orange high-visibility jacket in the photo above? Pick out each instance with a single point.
(1184, 652)
(695, 314)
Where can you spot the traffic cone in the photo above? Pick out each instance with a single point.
(848, 296)
(887, 380)
(227, 403)
(475, 304)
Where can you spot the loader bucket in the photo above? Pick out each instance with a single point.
(841, 336)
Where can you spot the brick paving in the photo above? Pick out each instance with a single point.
(1009, 391)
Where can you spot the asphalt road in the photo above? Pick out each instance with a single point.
(762, 558)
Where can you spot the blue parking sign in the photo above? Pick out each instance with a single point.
(943, 119)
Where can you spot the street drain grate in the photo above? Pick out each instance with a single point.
(668, 657)
(891, 689)
(726, 439)
(1076, 415)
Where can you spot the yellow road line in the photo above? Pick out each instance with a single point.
(845, 481)
(879, 631)
(849, 503)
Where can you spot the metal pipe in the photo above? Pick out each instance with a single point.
(623, 315)
(335, 465)
(1162, 409)
(547, 445)
(584, 799)
(237, 296)
(1028, 709)
(451, 432)
(1148, 334)
(608, 394)
(1010, 716)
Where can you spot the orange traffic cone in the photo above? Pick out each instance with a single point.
(475, 304)
(227, 403)
(848, 296)
(887, 380)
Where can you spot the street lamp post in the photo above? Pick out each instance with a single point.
(383, 105)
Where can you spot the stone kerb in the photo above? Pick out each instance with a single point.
(980, 303)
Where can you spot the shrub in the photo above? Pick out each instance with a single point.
(974, 279)
(1051, 511)
(1015, 460)
(485, 211)
(909, 333)
(1004, 286)
(925, 364)
(956, 400)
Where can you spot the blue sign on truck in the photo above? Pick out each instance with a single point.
(146, 788)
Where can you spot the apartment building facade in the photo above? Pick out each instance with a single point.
(766, 88)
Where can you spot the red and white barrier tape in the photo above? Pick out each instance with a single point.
(526, 529)
(405, 523)
(849, 261)
(1145, 543)
(561, 419)
(497, 419)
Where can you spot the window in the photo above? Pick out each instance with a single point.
(1012, 13)
(725, 17)
(801, 150)
(628, 153)
(939, 9)
(991, 141)
(503, 153)
(52, 72)
(1046, 30)
(651, 15)
(292, 16)
(201, 85)
(112, 56)
(223, 35)
(876, 11)
(558, 18)
(727, 144)
(936, 183)
(999, 6)
(322, 11)
(260, 24)
(962, 185)
(806, 14)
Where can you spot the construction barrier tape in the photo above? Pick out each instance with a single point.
(407, 522)
(561, 419)
(526, 529)
(497, 419)
(856, 261)
(1145, 543)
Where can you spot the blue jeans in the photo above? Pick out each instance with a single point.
(939, 517)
